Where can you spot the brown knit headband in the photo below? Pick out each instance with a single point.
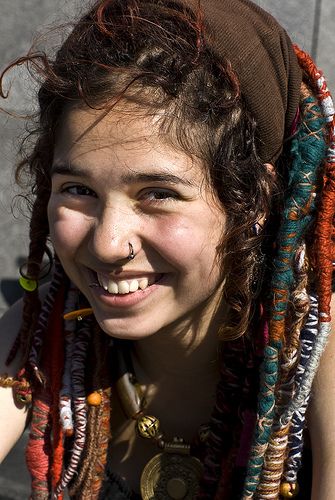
(263, 58)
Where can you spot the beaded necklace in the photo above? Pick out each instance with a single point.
(175, 472)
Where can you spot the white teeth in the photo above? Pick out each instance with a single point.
(143, 283)
(123, 287)
(112, 287)
(133, 286)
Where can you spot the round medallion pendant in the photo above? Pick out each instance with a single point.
(171, 476)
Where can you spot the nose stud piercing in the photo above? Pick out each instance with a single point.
(131, 255)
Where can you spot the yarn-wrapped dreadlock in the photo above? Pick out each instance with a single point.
(200, 61)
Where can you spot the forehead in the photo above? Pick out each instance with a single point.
(119, 138)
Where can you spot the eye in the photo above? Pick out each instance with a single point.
(158, 195)
(78, 190)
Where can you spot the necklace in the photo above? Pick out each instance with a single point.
(174, 473)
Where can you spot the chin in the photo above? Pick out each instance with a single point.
(127, 329)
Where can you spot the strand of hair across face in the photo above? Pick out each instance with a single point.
(308, 150)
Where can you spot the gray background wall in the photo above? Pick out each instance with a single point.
(310, 24)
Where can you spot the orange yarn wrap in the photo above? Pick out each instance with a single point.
(324, 248)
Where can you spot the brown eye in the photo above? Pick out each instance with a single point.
(79, 190)
(159, 195)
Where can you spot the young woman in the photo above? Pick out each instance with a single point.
(182, 176)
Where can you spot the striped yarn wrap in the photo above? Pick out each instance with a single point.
(89, 479)
(65, 401)
(102, 445)
(265, 414)
(308, 336)
(312, 364)
(79, 356)
(39, 450)
(92, 471)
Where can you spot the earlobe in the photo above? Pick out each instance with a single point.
(270, 168)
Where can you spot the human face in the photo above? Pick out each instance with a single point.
(114, 183)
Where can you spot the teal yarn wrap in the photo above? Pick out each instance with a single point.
(266, 407)
(308, 149)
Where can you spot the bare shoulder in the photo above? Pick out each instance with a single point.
(9, 328)
(13, 417)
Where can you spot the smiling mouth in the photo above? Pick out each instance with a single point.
(123, 287)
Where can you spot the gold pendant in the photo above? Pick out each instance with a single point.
(171, 476)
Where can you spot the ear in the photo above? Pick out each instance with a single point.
(270, 168)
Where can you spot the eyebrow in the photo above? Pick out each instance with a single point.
(131, 178)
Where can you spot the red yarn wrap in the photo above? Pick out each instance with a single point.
(44, 455)
(324, 244)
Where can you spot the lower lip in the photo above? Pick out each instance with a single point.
(127, 299)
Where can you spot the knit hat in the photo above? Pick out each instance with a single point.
(262, 55)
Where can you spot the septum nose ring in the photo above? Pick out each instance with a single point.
(131, 255)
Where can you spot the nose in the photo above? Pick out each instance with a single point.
(114, 238)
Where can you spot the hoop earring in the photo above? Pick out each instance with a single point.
(131, 255)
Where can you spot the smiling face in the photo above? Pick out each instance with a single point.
(115, 183)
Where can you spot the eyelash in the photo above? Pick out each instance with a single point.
(167, 195)
(78, 187)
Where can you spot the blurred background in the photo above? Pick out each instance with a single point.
(310, 23)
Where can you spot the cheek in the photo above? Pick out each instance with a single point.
(190, 243)
(67, 229)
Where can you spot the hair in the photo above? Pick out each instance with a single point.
(157, 60)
